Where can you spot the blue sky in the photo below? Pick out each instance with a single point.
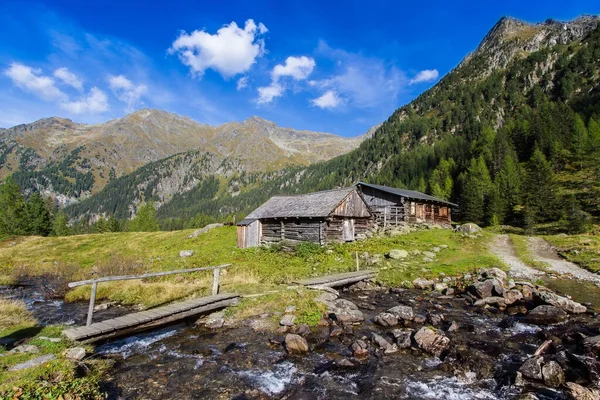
(329, 66)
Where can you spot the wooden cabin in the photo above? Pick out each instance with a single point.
(391, 206)
(337, 215)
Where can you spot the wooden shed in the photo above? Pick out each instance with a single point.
(391, 206)
(321, 217)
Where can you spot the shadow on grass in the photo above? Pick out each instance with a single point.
(14, 338)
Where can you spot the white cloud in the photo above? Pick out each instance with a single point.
(230, 51)
(95, 102)
(427, 75)
(127, 91)
(297, 67)
(266, 94)
(32, 81)
(242, 83)
(363, 82)
(329, 99)
(69, 78)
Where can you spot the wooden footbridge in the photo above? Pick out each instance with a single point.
(343, 279)
(144, 320)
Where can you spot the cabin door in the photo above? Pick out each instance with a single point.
(348, 230)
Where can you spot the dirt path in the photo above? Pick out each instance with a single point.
(503, 249)
(544, 252)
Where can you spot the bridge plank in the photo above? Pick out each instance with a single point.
(337, 279)
(149, 318)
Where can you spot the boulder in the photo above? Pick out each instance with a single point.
(493, 273)
(349, 316)
(402, 312)
(360, 349)
(441, 287)
(578, 392)
(482, 289)
(453, 327)
(512, 296)
(491, 301)
(468, 228)
(435, 319)
(295, 344)
(75, 353)
(592, 345)
(287, 320)
(215, 320)
(432, 341)
(383, 344)
(397, 254)
(335, 330)
(386, 319)
(545, 315)
(532, 368)
(290, 309)
(429, 254)
(200, 231)
(561, 302)
(35, 362)
(303, 330)
(186, 253)
(403, 337)
(553, 374)
(423, 284)
(25, 348)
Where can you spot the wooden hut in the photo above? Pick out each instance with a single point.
(322, 217)
(391, 206)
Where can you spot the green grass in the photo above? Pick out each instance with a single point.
(583, 250)
(520, 245)
(253, 270)
(57, 379)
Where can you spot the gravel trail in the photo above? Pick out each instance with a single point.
(544, 252)
(502, 247)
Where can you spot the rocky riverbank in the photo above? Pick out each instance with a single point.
(479, 337)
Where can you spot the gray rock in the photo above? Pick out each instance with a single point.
(386, 346)
(592, 345)
(200, 231)
(432, 341)
(441, 287)
(532, 368)
(360, 349)
(561, 302)
(545, 315)
(427, 259)
(25, 348)
(349, 316)
(423, 284)
(491, 301)
(482, 289)
(386, 319)
(403, 337)
(402, 312)
(553, 374)
(303, 330)
(186, 253)
(290, 309)
(35, 362)
(436, 249)
(347, 304)
(296, 344)
(493, 273)
(578, 392)
(435, 319)
(397, 254)
(215, 320)
(287, 320)
(75, 353)
(453, 327)
(50, 339)
(429, 254)
(468, 228)
(511, 296)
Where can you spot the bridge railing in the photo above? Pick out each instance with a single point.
(94, 282)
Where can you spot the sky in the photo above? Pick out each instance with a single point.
(329, 66)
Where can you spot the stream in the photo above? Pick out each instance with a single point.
(244, 362)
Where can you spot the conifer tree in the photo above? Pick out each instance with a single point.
(59, 224)
(113, 224)
(509, 187)
(476, 185)
(540, 188)
(580, 139)
(145, 220)
(37, 216)
(441, 182)
(12, 208)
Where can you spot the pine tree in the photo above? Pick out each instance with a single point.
(540, 188)
(59, 225)
(113, 224)
(145, 220)
(580, 139)
(101, 225)
(38, 216)
(441, 182)
(476, 186)
(509, 187)
(12, 208)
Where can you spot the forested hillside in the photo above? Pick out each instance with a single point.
(512, 135)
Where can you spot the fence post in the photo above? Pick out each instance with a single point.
(92, 301)
(215, 283)
(356, 254)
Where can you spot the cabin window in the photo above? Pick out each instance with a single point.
(413, 208)
(443, 211)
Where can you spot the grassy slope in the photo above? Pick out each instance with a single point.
(583, 250)
(252, 271)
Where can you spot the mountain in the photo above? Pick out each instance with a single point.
(70, 161)
(511, 134)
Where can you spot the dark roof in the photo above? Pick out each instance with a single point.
(246, 221)
(411, 194)
(317, 204)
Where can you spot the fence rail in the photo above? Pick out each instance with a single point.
(94, 282)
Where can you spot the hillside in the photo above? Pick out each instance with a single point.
(70, 161)
(508, 134)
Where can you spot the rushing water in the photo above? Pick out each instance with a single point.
(187, 362)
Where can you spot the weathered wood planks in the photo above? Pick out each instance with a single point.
(142, 320)
(345, 278)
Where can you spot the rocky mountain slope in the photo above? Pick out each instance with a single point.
(70, 160)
